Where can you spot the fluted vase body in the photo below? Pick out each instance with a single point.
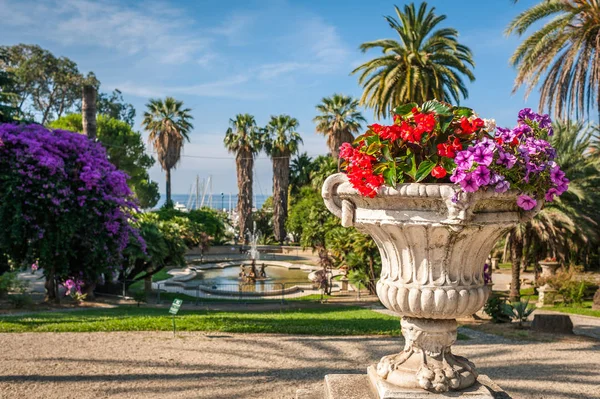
(434, 241)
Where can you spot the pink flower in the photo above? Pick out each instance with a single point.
(526, 202)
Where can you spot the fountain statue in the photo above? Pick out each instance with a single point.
(253, 275)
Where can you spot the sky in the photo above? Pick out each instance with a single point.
(263, 57)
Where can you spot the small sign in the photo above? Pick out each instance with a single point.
(175, 306)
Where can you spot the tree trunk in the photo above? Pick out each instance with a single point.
(88, 111)
(516, 252)
(169, 202)
(245, 164)
(281, 181)
(525, 257)
(148, 284)
(50, 287)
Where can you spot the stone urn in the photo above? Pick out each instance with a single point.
(547, 294)
(549, 268)
(434, 241)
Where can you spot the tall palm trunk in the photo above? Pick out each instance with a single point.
(245, 164)
(281, 181)
(88, 108)
(168, 183)
(516, 252)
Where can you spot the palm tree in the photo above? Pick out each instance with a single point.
(425, 64)
(245, 140)
(339, 119)
(567, 228)
(300, 169)
(281, 141)
(169, 126)
(323, 167)
(563, 54)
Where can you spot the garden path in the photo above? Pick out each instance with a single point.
(219, 366)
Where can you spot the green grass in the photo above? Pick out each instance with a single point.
(159, 276)
(585, 309)
(328, 321)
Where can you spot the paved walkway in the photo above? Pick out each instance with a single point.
(230, 366)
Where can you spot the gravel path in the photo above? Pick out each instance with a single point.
(228, 366)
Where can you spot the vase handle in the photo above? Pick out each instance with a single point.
(343, 209)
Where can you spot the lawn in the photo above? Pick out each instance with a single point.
(322, 321)
(584, 309)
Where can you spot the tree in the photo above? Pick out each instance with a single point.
(300, 169)
(45, 84)
(323, 167)
(562, 54)
(125, 149)
(244, 139)
(339, 119)
(8, 110)
(427, 63)
(114, 106)
(69, 207)
(169, 125)
(281, 141)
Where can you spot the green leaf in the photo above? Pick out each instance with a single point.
(462, 111)
(437, 107)
(385, 150)
(380, 167)
(445, 121)
(405, 109)
(448, 164)
(412, 166)
(373, 148)
(373, 139)
(424, 170)
(390, 175)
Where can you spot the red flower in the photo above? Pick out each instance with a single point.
(470, 126)
(376, 128)
(346, 151)
(449, 149)
(395, 117)
(446, 150)
(425, 123)
(438, 172)
(456, 145)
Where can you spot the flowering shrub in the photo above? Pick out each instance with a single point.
(65, 207)
(438, 143)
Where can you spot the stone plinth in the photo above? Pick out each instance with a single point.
(359, 386)
(546, 296)
(552, 323)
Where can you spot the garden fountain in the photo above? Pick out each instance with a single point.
(253, 275)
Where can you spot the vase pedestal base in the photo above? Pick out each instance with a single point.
(360, 386)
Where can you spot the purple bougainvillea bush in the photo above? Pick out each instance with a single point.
(63, 205)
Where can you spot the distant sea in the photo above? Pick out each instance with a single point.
(215, 201)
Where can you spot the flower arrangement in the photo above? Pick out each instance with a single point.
(440, 143)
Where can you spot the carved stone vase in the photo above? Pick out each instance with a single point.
(434, 241)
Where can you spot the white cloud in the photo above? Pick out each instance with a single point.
(224, 88)
(152, 29)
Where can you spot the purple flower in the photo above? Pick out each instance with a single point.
(469, 184)
(526, 202)
(482, 155)
(35, 266)
(482, 175)
(464, 159)
(457, 176)
(502, 187)
(506, 159)
(549, 196)
(556, 176)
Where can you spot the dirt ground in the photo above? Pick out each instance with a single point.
(224, 366)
